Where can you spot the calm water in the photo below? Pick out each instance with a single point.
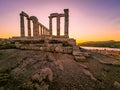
(101, 48)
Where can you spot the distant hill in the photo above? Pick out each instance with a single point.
(110, 43)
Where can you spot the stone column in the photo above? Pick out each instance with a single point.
(29, 27)
(35, 26)
(41, 30)
(66, 32)
(50, 25)
(58, 25)
(22, 25)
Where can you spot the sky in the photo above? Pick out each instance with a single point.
(89, 20)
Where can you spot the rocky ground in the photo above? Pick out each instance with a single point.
(38, 70)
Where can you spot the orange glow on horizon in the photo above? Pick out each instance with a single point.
(88, 20)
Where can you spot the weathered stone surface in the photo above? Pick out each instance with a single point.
(50, 57)
(72, 42)
(52, 49)
(80, 58)
(42, 86)
(60, 65)
(36, 77)
(88, 73)
(116, 84)
(76, 53)
(45, 73)
(86, 54)
(59, 49)
(54, 45)
(64, 49)
(69, 50)
(17, 44)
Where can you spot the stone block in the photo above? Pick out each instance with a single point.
(72, 42)
(69, 50)
(80, 58)
(76, 53)
(17, 44)
(64, 49)
(52, 49)
(59, 49)
(86, 54)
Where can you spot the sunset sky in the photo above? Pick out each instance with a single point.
(90, 20)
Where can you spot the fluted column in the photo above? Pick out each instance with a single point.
(22, 25)
(58, 25)
(50, 25)
(66, 32)
(29, 27)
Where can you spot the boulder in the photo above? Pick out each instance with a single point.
(117, 84)
(45, 73)
(58, 49)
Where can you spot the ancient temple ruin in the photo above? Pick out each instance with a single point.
(41, 30)
(42, 38)
(38, 28)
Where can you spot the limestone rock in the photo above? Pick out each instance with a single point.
(88, 73)
(116, 84)
(86, 54)
(52, 49)
(72, 42)
(60, 65)
(59, 49)
(50, 57)
(42, 86)
(80, 58)
(36, 77)
(70, 50)
(76, 51)
(45, 73)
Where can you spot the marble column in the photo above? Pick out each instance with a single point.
(41, 30)
(50, 25)
(66, 32)
(29, 27)
(22, 25)
(35, 29)
(58, 25)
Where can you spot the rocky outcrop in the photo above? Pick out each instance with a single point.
(117, 84)
(79, 55)
(45, 73)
